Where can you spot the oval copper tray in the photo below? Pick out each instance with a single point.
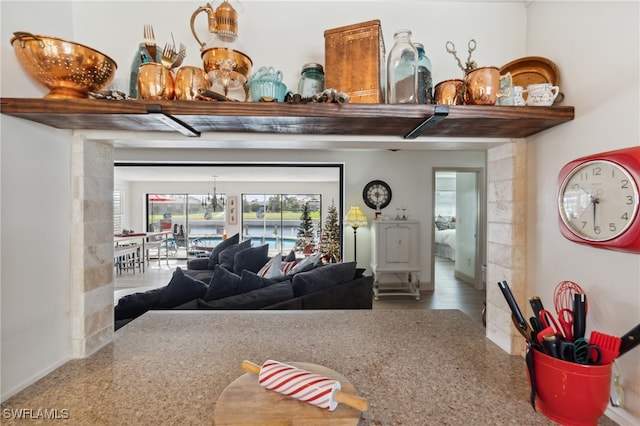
(532, 70)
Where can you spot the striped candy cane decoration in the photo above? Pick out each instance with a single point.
(299, 384)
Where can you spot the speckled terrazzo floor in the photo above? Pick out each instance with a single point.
(415, 368)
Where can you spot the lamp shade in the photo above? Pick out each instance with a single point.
(356, 218)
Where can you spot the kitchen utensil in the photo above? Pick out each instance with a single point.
(580, 351)
(179, 56)
(244, 402)
(629, 340)
(608, 344)
(579, 315)
(548, 320)
(536, 305)
(168, 53)
(563, 295)
(67, 69)
(566, 321)
(517, 317)
(303, 385)
(469, 65)
(150, 41)
(550, 344)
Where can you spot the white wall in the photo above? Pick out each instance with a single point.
(35, 220)
(596, 47)
(409, 173)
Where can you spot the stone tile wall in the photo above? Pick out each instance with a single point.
(91, 246)
(506, 240)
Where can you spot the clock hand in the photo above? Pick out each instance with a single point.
(595, 203)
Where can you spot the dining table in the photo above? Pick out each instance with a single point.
(147, 241)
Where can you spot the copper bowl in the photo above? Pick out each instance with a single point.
(67, 69)
(219, 61)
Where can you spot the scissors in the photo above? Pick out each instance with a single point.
(580, 351)
(565, 318)
(548, 321)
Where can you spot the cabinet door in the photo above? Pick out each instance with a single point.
(397, 247)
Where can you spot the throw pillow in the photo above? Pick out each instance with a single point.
(256, 299)
(288, 266)
(249, 281)
(226, 256)
(266, 267)
(323, 277)
(272, 269)
(181, 289)
(307, 264)
(223, 284)
(251, 259)
(224, 244)
(289, 257)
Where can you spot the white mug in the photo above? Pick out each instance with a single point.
(543, 94)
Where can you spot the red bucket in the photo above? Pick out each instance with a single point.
(571, 393)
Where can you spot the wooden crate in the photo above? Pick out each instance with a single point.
(355, 62)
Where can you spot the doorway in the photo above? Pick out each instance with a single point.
(459, 228)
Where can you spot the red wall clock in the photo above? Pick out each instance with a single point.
(598, 200)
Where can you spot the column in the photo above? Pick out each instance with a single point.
(506, 240)
(91, 246)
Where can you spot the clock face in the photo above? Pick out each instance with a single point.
(598, 201)
(377, 194)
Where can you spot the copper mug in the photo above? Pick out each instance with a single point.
(449, 92)
(482, 86)
(155, 82)
(188, 81)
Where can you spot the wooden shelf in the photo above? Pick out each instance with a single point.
(404, 121)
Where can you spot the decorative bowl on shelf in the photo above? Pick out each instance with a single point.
(266, 84)
(66, 68)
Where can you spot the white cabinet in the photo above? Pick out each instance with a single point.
(396, 249)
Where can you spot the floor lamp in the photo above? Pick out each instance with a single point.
(355, 219)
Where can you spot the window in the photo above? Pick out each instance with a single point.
(117, 212)
(285, 221)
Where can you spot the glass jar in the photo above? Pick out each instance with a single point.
(311, 80)
(425, 82)
(402, 70)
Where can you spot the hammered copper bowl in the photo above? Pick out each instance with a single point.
(67, 69)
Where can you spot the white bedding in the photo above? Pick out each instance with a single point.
(446, 237)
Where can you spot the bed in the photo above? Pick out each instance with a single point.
(445, 237)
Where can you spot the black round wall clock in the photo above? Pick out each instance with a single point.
(377, 194)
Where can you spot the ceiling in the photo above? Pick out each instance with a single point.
(226, 173)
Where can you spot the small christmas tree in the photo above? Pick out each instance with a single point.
(330, 239)
(304, 238)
